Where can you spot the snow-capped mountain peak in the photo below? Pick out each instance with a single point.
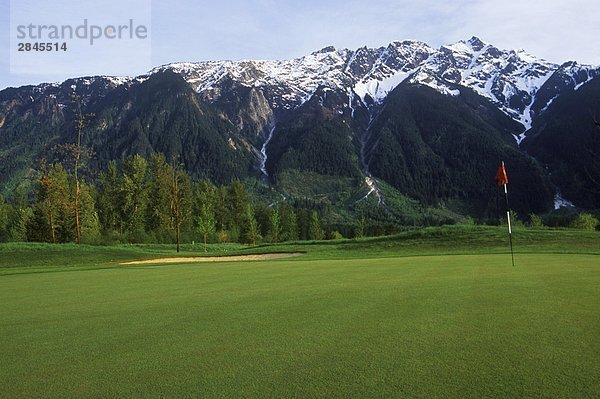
(509, 78)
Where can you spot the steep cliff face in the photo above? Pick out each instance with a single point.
(566, 141)
(247, 108)
(158, 114)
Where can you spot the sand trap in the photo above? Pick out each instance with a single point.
(233, 258)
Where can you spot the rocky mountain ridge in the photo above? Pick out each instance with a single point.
(511, 79)
(405, 114)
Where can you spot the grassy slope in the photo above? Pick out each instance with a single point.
(345, 323)
(35, 257)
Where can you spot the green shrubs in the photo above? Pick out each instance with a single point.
(585, 221)
(535, 221)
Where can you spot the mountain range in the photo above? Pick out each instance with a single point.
(341, 128)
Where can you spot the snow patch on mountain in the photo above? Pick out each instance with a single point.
(549, 103)
(431, 81)
(508, 78)
(351, 95)
(526, 120)
(379, 89)
(560, 202)
(590, 77)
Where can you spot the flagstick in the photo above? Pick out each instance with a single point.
(502, 179)
(509, 227)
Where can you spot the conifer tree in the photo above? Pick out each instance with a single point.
(289, 223)
(315, 231)
(159, 200)
(221, 209)
(88, 216)
(109, 199)
(21, 214)
(303, 216)
(275, 225)
(238, 200)
(134, 194)
(20, 229)
(4, 220)
(361, 225)
(46, 191)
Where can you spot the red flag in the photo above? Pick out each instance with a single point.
(501, 176)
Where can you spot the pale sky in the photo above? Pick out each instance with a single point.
(188, 30)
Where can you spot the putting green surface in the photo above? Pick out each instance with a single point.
(426, 326)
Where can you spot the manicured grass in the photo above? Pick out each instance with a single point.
(337, 322)
(457, 240)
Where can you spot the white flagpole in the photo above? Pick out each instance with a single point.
(508, 219)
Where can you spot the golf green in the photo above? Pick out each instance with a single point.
(424, 326)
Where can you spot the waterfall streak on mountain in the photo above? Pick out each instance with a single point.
(263, 151)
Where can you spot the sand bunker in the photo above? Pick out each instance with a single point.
(233, 258)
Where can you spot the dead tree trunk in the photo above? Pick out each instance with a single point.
(79, 124)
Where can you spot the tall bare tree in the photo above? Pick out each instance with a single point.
(80, 121)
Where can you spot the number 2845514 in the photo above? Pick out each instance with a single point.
(26, 46)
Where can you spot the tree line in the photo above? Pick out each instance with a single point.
(150, 200)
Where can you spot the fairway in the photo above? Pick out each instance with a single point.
(421, 326)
